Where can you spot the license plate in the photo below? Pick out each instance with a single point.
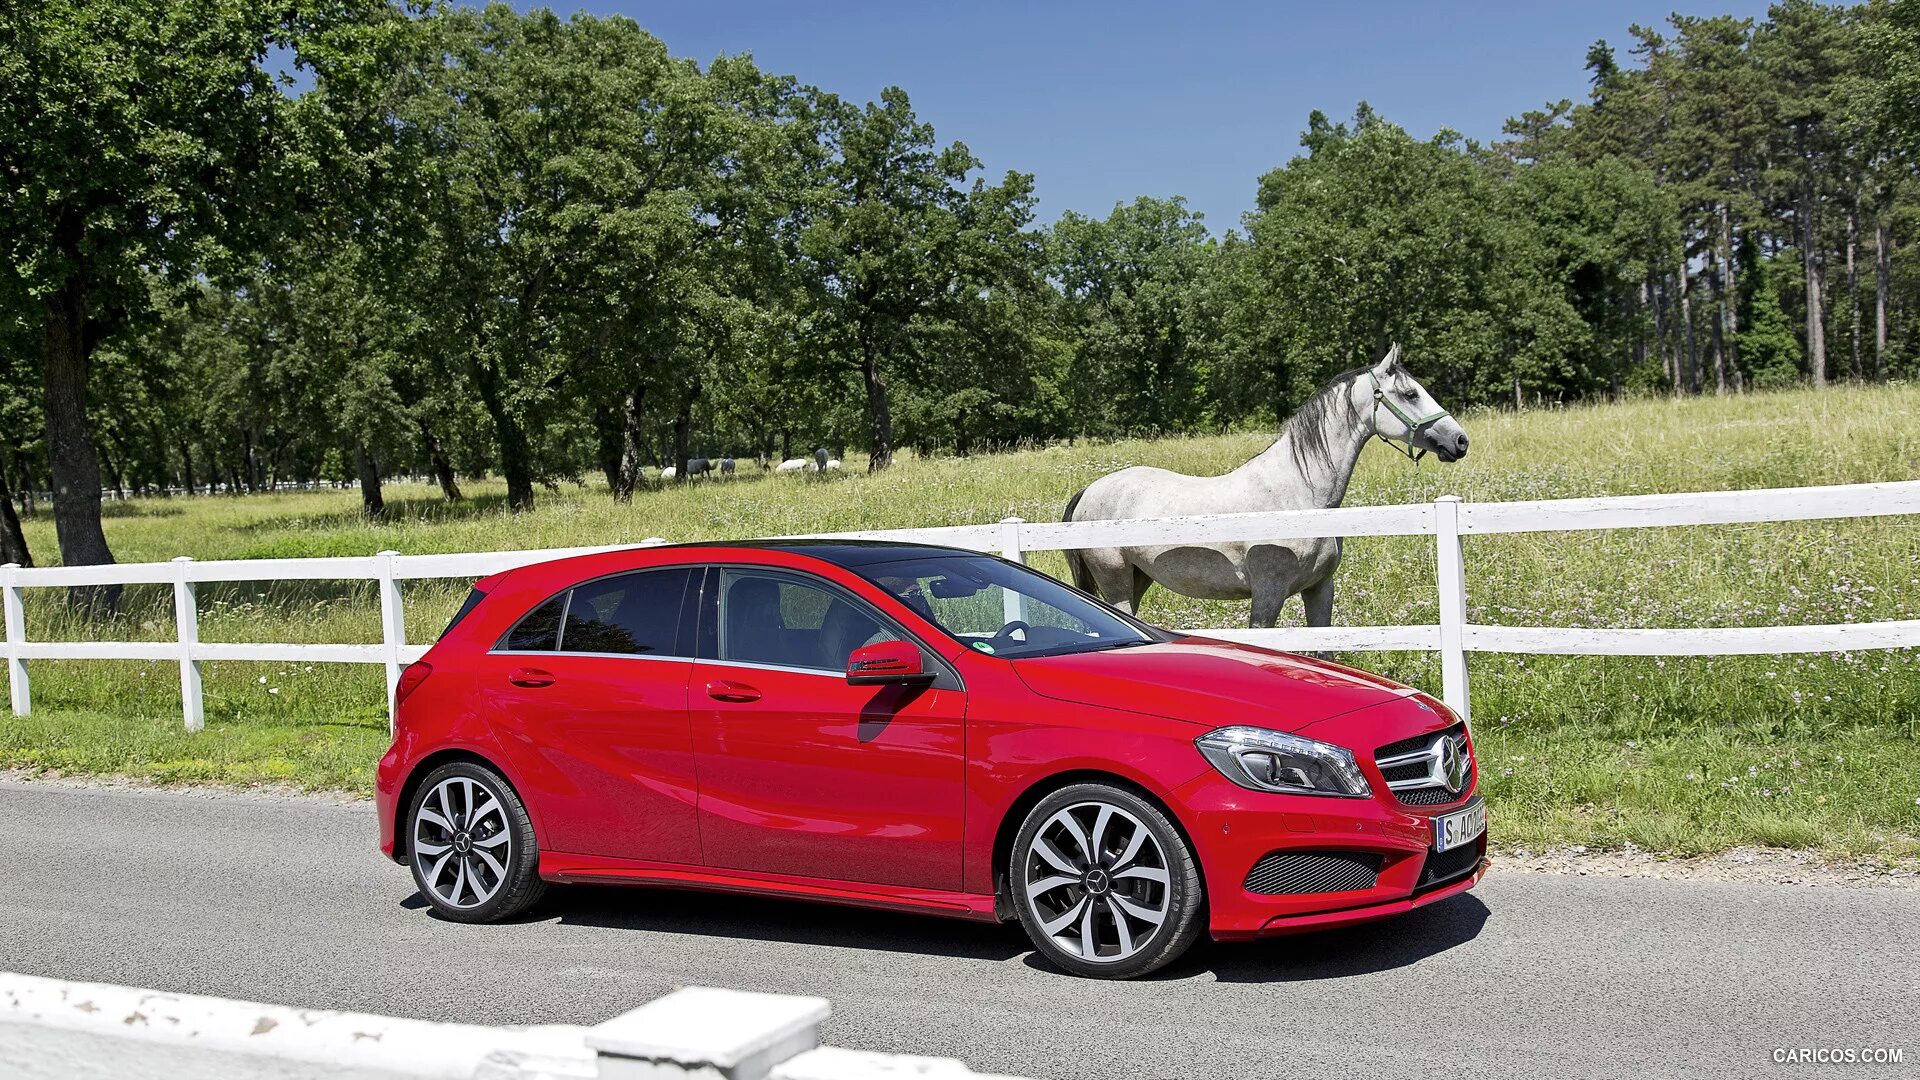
(1460, 827)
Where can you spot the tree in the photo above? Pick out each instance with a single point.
(1375, 237)
(1147, 324)
(136, 136)
(886, 244)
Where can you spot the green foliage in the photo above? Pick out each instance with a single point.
(480, 240)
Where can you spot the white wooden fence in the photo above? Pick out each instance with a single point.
(56, 1030)
(1447, 519)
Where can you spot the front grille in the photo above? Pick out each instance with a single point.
(1410, 771)
(1416, 782)
(1434, 796)
(1289, 873)
(1449, 865)
(1395, 749)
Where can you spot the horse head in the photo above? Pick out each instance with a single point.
(1403, 411)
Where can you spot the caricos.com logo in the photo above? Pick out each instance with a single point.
(1838, 1055)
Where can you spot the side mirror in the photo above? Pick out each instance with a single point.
(887, 662)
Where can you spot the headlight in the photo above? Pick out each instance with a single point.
(1267, 760)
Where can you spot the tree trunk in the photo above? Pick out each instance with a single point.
(186, 465)
(510, 439)
(879, 416)
(1816, 313)
(683, 433)
(632, 443)
(13, 541)
(66, 353)
(606, 429)
(1881, 273)
(372, 503)
(1729, 303)
(27, 482)
(1717, 316)
(1690, 352)
(1853, 283)
(442, 467)
(1658, 302)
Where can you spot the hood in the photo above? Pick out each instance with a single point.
(1208, 682)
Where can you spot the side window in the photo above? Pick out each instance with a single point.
(790, 622)
(633, 614)
(540, 630)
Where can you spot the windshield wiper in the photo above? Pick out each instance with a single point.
(1105, 645)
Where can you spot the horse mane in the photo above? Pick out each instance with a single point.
(1310, 426)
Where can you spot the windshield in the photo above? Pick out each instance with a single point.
(1003, 609)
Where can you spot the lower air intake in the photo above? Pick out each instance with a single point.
(1449, 865)
(1291, 873)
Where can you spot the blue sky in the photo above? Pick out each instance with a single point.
(1106, 101)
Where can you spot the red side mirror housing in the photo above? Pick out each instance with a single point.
(887, 662)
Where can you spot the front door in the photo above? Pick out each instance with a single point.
(803, 774)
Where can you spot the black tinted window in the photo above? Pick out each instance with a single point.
(474, 596)
(540, 630)
(630, 614)
(768, 619)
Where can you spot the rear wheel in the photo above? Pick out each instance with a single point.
(1104, 883)
(471, 845)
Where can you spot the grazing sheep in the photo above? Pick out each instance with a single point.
(833, 464)
(669, 473)
(792, 465)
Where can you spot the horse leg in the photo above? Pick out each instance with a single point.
(1111, 577)
(1318, 599)
(1268, 595)
(1141, 583)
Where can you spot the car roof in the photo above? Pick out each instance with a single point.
(847, 553)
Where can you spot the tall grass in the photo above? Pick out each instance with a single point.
(1675, 754)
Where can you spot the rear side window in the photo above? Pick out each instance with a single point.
(633, 614)
(540, 630)
(474, 596)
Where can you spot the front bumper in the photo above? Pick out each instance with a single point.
(1234, 828)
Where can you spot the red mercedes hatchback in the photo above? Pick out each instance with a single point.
(916, 728)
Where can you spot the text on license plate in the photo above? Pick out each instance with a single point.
(1459, 827)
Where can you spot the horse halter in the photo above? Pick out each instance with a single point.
(1414, 427)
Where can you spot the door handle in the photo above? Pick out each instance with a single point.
(532, 678)
(728, 690)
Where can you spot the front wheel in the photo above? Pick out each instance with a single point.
(1104, 883)
(471, 845)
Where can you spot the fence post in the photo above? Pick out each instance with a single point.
(1453, 605)
(1013, 604)
(393, 628)
(186, 618)
(16, 622)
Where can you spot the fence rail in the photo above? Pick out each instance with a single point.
(1447, 519)
(56, 1030)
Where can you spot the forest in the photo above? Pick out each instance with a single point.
(248, 243)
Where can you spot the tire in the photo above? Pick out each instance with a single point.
(1142, 871)
(471, 846)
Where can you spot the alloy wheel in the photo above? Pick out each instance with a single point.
(461, 842)
(1098, 882)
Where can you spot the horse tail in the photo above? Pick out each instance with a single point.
(1082, 577)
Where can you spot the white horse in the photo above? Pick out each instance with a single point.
(1308, 466)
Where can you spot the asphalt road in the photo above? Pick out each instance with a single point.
(284, 900)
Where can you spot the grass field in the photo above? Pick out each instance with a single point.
(1681, 755)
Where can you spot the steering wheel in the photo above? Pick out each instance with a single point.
(1005, 633)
